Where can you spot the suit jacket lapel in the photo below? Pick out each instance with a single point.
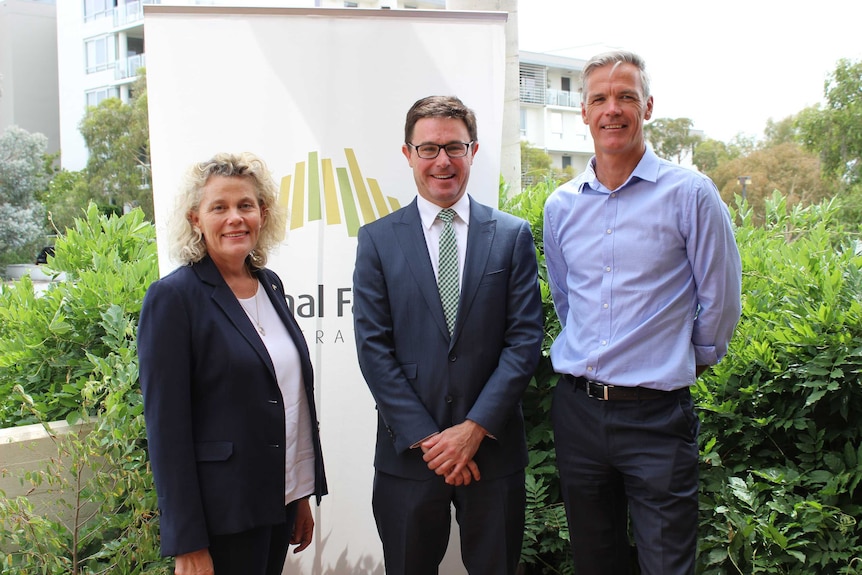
(227, 302)
(411, 239)
(480, 238)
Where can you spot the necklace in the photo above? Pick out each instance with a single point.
(256, 315)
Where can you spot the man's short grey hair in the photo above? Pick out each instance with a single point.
(616, 58)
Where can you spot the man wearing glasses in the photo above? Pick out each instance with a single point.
(448, 324)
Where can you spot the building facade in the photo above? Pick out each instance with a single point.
(28, 68)
(101, 48)
(550, 112)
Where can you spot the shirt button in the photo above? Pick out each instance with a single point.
(614, 194)
(590, 368)
(608, 268)
(608, 231)
(605, 306)
(604, 342)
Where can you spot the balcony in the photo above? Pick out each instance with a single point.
(549, 97)
(562, 98)
(128, 13)
(128, 68)
(131, 12)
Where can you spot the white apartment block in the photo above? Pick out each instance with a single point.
(550, 95)
(28, 68)
(101, 47)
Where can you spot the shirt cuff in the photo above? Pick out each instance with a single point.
(418, 443)
(705, 355)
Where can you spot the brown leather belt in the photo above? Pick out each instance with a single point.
(606, 392)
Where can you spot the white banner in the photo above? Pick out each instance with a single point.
(321, 95)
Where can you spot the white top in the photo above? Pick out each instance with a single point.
(299, 450)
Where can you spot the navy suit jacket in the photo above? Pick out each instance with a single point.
(425, 381)
(213, 409)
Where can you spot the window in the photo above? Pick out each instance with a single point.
(95, 97)
(101, 53)
(566, 84)
(556, 121)
(523, 122)
(567, 162)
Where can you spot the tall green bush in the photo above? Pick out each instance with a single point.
(70, 353)
(780, 435)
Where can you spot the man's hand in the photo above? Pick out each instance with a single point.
(303, 529)
(450, 452)
(195, 563)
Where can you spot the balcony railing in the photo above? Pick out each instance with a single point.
(532, 95)
(549, 97)
(128, 13)
(128, 68)
(562, 98)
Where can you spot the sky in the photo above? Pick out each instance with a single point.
(729, 66)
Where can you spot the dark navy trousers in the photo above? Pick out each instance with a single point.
(624, 459)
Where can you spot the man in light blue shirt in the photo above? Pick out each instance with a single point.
(645, 275)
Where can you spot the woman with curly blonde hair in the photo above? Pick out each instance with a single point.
(228, 383)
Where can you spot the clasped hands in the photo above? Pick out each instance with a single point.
(450, 452)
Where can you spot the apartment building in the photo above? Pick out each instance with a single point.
(28, 68)
(550, 115)
(101, 48)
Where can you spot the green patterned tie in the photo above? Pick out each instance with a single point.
(447, 270)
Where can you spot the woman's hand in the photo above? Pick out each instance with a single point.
(303, 528)
(195, 563)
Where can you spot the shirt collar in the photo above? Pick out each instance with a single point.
(428, 211)
(647, 169)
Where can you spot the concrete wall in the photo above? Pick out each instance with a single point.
(29, 93)
(30, 448)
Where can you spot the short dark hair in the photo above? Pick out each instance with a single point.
(440, 107)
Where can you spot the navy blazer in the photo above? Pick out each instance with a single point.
(213, 409)
(422, 380)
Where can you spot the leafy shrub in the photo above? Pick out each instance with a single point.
(71, 353)
(780, 442)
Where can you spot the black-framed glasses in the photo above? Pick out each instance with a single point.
(431, 151)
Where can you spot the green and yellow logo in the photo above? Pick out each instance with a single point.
(314, 189)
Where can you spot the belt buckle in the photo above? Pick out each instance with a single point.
(601, 396)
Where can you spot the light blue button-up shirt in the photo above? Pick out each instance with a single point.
(645, 279)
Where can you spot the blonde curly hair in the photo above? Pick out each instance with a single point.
(187, 244)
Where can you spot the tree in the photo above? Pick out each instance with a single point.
(22, 175)
(535, 165)
(786, 168)
(709, 154)
(66, 199)
(672, 138)
(835, 132)
(780, 132)
(117, 137)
